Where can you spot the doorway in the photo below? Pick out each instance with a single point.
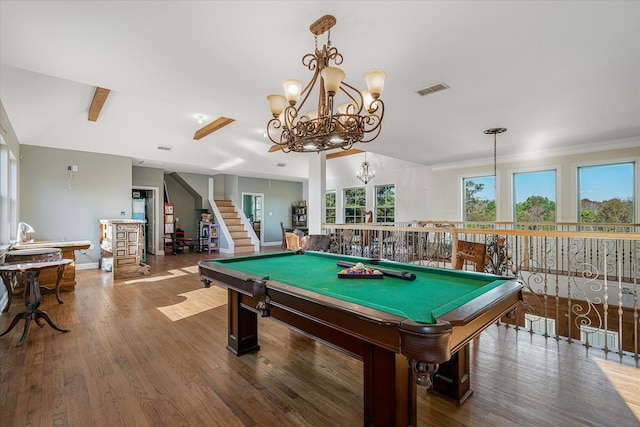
(252, 206)
(152, 216)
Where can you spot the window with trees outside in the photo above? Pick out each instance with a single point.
(479, 198)
(385, 203)
(606, 193)
(354, 199)
(330, 207)
(534, 196)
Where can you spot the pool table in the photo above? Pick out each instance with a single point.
(402, 330)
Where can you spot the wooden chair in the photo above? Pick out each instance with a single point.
(284, 236)
(471, 252)
(293, 241)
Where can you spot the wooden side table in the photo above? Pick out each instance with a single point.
(19, 256)
(32, 296)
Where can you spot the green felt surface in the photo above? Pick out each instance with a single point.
(434, 292)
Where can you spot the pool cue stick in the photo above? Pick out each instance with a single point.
(404, 275)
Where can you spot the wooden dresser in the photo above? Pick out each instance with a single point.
(121, 246)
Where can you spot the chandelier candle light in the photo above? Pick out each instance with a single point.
(358, 119)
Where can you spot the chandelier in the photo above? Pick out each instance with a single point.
(358, 119)
(364, 174)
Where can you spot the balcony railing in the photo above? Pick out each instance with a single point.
(582, 281)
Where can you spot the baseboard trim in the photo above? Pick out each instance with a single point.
(87, 266)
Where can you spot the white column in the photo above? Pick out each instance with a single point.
(317, 188)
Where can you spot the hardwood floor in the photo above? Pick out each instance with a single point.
(151, 352)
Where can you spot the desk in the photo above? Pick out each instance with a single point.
(32, 296)
(68, 248)
(401, 330)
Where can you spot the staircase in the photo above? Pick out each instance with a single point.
(241, 239)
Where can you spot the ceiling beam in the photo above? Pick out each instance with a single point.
(343, 153)
(99, 98)
(212, 127)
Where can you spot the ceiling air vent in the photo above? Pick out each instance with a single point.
(164, 147)
(281, 165)
(433, 88)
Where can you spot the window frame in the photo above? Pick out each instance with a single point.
(357, 216)
(392, 207)
(333, 209)
(610, 162)
(463, 199)
(554, 169)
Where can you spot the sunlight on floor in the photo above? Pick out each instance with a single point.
(618, 375)
(172, 274)
(197, 301)
(193, 269)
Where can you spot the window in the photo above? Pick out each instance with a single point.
(8, 192)
(330, 207)
(385, 203)
(479, 198)
(258, 208)
(354, 202)
(534, 195)
(606, 193)
(540, 324)
(599, 337)
(4, 192)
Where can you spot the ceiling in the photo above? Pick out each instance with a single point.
(562, 77)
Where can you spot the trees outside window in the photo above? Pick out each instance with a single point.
(479, 198)
(385, 203)
(330, 207)
(606, 193)
(534, 195)
(354, 199)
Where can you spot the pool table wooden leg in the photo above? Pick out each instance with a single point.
(243, 326)
(452, 381)
(389, 392)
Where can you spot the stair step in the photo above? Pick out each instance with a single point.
(244, 249)
(229, 215)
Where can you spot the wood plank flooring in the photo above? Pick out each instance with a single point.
(151, 352)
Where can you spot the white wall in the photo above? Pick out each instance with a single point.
(62, 205)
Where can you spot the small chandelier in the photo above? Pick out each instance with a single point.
(364, 174)
(358, 119)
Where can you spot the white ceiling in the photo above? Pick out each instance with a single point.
(562, 76)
